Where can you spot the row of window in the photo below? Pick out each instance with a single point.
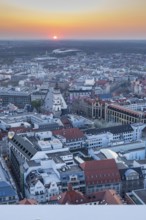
(22, 148)
(103, 175)
(3, 199)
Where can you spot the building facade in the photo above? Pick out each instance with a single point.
(19, 99)
(101, 175)
(123, 115)
(131, 179)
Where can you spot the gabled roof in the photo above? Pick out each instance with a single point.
(101, 171)
(28, 202)
(69, 133)
(75, 197)
(66, 122)
(72, 197)
(24, 146)
(108, 196)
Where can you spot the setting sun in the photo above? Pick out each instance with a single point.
(55, 37)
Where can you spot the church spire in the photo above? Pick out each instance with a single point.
(56, 86)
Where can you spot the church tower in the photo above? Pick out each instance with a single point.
(54, 101)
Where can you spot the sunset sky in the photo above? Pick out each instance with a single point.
(73, 19)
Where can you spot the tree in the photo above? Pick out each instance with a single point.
(36, 104)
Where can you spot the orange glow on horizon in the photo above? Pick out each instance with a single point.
(96, 24)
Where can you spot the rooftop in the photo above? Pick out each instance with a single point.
(6, 189)
(70, 133)
(70, 169)
(75, 197)
(114, 130)
(124, 109)
(23, 145)
(127, 171)
(13, 93)
(28, 202)
(101, 171)
(141, 194)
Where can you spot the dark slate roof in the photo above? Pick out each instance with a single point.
(51, 127)
(137, 169)
(79, 90)
(114, 130)
(24, 146)
(6, 189)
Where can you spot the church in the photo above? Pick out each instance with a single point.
(54, 102)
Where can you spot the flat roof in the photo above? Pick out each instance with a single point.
(127, 147)
(11, 92)
(56, 156)
(71, 169)
(60, 153)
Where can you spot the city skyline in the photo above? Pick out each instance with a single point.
(72, 19)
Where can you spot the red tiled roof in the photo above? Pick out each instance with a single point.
(101, 82)
(28, 202)
(66, 123)
(111, 197)
(72, 197)
(75, 197)
(20, 129)
(119, 107)
(69, 133)
(101, 171)
(108, 196)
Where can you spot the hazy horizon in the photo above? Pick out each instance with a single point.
(71, 39)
